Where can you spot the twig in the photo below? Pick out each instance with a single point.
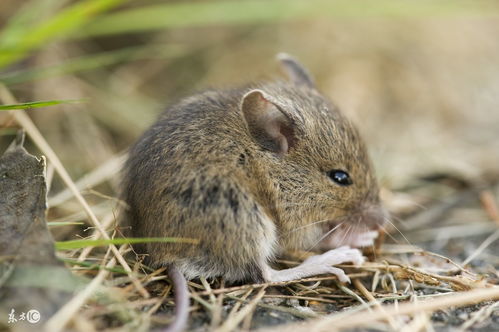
(358, 284)
(207, 286)
(446, 259)
(306, 298)
(231, 323)
(106, 222)
(98, 175)
(409, 272)
(217, 311)
(159, 301)
(238, 304)
(394, 288)
(204, 303)
(348, 291)
(283, 283)
(375, 281)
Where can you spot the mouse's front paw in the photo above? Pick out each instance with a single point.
(334, 257)
(338, 256)
(320, 264)
(342, 277)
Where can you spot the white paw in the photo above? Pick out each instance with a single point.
(340, 255)
(337, 256)
(342, 277)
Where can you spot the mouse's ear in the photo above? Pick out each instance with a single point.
(296, 72)
(267, 123)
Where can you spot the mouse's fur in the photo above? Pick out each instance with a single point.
(206, 170)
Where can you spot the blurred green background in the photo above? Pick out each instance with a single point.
(420, 78)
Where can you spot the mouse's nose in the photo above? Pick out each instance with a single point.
(374, 216)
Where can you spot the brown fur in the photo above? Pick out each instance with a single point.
(199, 172)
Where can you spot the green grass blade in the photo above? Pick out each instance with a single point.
(29, 14)
(78, 244)
(62, 24)
(37, 104)
(192, 14)
(8, 131)
(91, 62)
(196, 14)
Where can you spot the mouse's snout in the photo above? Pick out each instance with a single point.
(359, 229)
(373, 216)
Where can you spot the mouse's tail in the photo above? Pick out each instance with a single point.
(181, 300)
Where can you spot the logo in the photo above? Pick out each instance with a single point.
(33, 316)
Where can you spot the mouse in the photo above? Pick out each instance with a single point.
(252, 172)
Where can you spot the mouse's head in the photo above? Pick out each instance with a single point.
(316, 165)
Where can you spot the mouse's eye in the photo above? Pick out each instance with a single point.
(340, 177)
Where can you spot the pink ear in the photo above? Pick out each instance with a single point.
(267, 124)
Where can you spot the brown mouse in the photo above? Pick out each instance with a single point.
(252, 172)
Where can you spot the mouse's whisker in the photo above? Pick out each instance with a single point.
(389, 235)
(344, 236)
(391, 223)
(325, 236)
(355, 230)
(398, 219)
(358, 224)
